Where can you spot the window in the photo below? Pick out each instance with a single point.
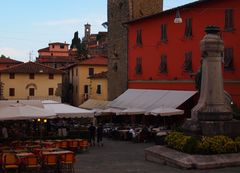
(76, 71)
(51, 54)
(115, 67)
(90, 72)
(188, 28)
(228, 59)
(139, 37)
(99, 89)
(50, 76)
(138, 67)
(31, 76)
(50, 91)
(11, 76)
(163, 64)
(31, 92)
(187, 66)
(229, 20)
(85, 89)
(53, 46)
(11, 91)
(61, 46)
(76, 89)
(164, 32)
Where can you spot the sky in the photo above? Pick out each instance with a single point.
(27, 26)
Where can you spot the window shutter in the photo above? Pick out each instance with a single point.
(188, 28)
(138, 67)
(229, 20)
(188, 62)
(228, 58)
(164, 32)
(139, 37)
(163, 64)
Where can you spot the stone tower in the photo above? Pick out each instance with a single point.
(87, 31)
(120, 11)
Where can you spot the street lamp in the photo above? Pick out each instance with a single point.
(178, 18)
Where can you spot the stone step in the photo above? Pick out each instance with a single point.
(171, 157)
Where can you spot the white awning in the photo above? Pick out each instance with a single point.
(166, 112)
(94, 104)
(132, 111)
(107, 111)
(21, 111)
(150, 99)
(36, 103)
(67, 111)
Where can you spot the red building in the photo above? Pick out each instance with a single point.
(166, 55)
(7, 62)
(57, 55)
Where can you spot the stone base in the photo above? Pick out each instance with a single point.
(167, 156)
(211, 128)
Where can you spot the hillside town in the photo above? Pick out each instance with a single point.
(163, 84)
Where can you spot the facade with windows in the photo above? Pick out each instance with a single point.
(165, 55)
(57, 55)
(31, 81)
(80, 75)
(98, 85)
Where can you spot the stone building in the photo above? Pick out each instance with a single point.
(57, 55)
(121, 11)
(96, 44)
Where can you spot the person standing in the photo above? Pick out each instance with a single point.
(5, 133)
(100, 135)
(92, 133)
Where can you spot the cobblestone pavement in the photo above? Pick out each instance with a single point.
(128, 157)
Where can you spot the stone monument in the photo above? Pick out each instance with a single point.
(212, 115)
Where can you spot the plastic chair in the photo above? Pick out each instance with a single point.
(64, 144)
(73, 145)
(32, 163)
(84, 145)
(10, 162)
(67, 162)
(50, 162)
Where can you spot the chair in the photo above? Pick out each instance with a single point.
(67, 162)
(10, 162)
(64, 144)
(73, 145)
(50, 162)
(84, 145)
(32, 163)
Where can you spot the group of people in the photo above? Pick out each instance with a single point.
(95, 131)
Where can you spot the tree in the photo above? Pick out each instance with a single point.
(76, 43)
(3, 56)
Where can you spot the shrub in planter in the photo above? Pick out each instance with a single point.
(206, 145)
(191, 145)
(216, 145)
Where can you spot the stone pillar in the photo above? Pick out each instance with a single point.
(212, 105)
(212, 115)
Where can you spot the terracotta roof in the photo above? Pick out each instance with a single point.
(99, 75)
(95, 60)
(58, 43)
(9, 61)
(55, 59)
(189, 5)
(31, 67)
(46, 49)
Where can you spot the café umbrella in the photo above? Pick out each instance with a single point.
(21, 111)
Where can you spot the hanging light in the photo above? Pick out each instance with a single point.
(178, 18)
(45, 120)
(38, 119)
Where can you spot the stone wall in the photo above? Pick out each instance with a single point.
(120, 11)
(141, 8)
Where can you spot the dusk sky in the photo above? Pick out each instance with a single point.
(28, 25)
